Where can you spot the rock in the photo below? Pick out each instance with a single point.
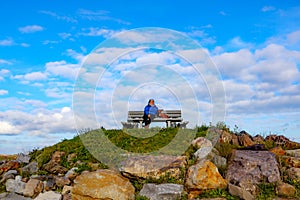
(282, 141)
(153, 167)
(219, 161)
(202, 153)
(66, 189)
(277, 151)
(8, 166)
(235, 140)
(15, 185)
(67, 197)
(14, 196)
(255, 147)
(32, 188)
(49, 195)
(285, 190)
(248, 168)
(204, 175)
(57, 156)
(49, 184)
(102, 184)
(245, 139)
(293, 173)
(10, 174)
(292, 161)
(294, 153)
(71, 174)
(62, 181)
(225, 137)
(163, 191)
(204, 147)
(201, 142)
(258, 139)
(54, 168)
(23, 158)
(71, 157)
(240, 192)
(31, 168)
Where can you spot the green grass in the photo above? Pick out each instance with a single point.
(68, 146)
(215, 193)
(266, 191)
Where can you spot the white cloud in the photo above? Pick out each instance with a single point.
(293, 37)
(99, 15)
(5, 62)
(59, 17)
(7, 42)
(8, 129)
(4, 73)
(31, 29)
(268, 8)
(62, 69)
(3, 92)
(95, 31)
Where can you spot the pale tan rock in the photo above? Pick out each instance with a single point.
(240, 192)
(32, 188)
(102, 184)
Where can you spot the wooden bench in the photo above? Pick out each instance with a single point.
(135, 119)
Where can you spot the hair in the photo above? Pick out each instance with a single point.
(150, 100)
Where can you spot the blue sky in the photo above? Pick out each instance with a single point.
(45, 44)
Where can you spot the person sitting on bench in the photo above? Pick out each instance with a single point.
(150, 112)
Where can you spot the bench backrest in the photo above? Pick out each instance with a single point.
(139, 114)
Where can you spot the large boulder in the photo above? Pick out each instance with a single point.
(163, 191)
(153, 167)
(249, 168)
(102, 184)
(204, 175)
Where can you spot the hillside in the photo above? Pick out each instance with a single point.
(217, 163)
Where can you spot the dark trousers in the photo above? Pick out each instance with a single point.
(146, 120)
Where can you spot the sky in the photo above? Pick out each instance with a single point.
(68, 65)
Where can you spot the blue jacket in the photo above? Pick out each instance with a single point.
(152, 110)
(146, 109)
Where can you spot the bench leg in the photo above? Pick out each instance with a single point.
(141, 124)
(168, 124)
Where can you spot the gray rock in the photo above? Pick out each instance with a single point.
(240, 192)
(248, 168)
(15, 185)
(153, 166)
(49, 195)
(219, 161)
(23, 158)
(13, 196)
(166, 191)
(30, 168)
(10, 174)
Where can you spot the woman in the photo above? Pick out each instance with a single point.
(150, 112)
